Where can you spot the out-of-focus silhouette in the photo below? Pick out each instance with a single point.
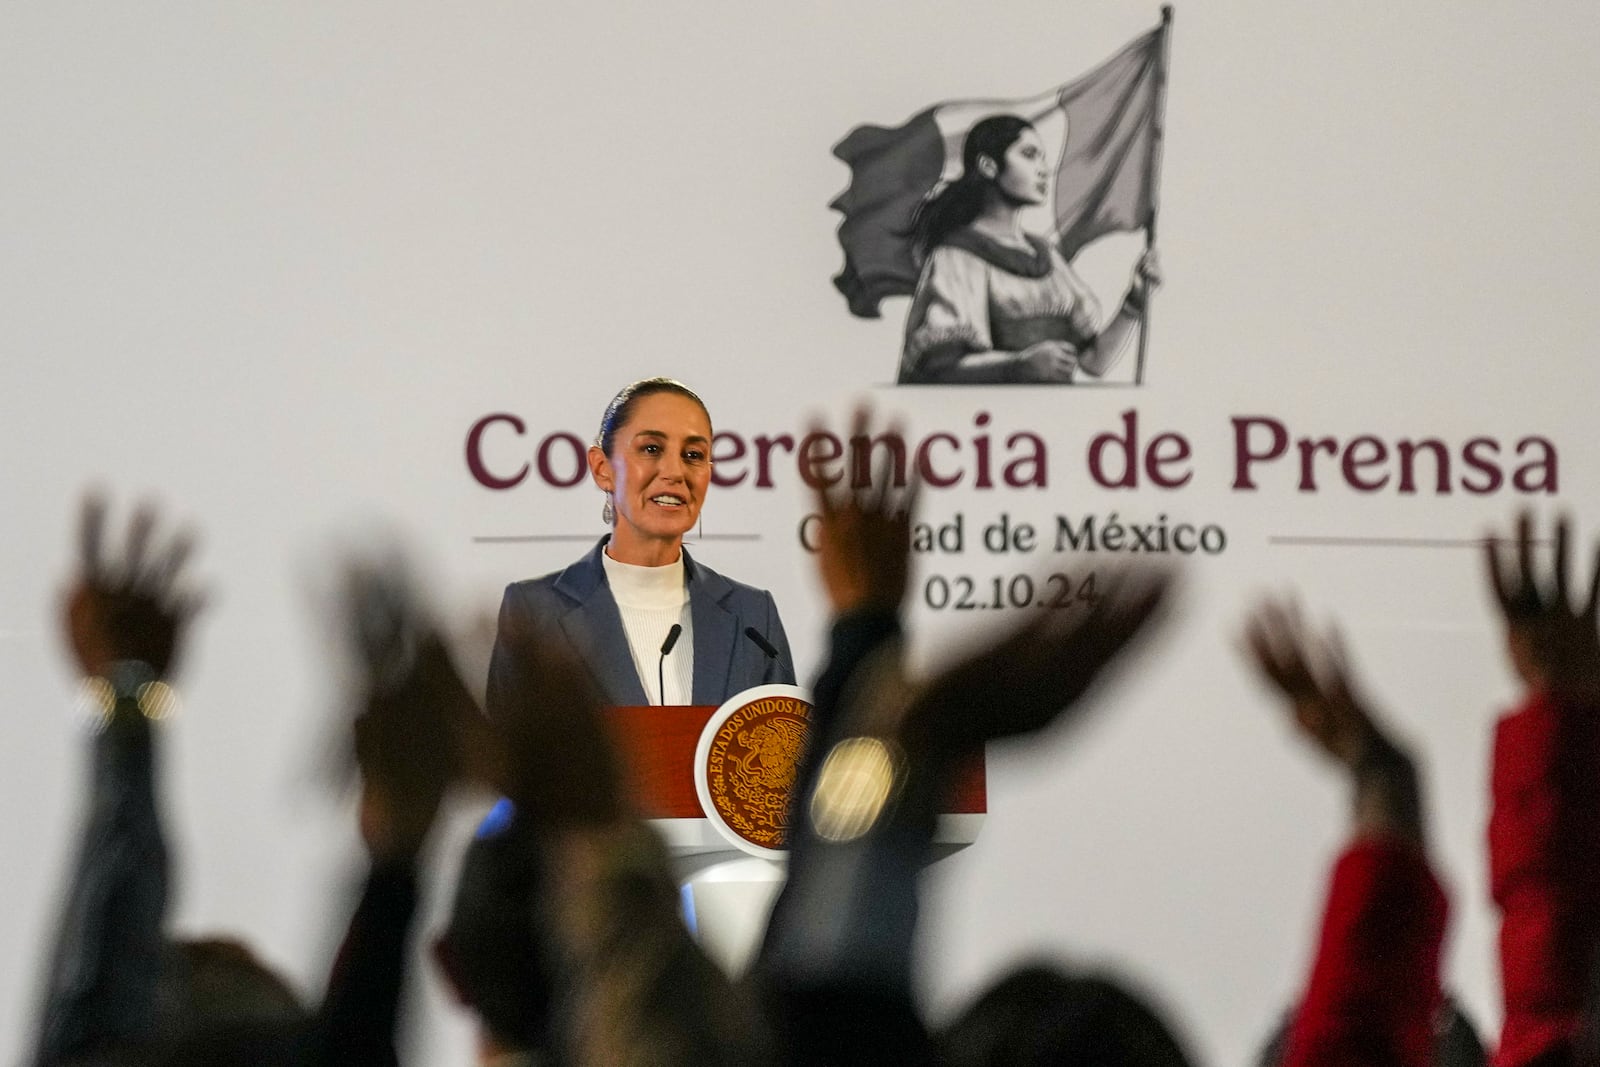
(835, 968)
(565, 937)
(1373, 991)
(1545, 781)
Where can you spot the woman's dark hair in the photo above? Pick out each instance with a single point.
(621, 405)
(958, 203)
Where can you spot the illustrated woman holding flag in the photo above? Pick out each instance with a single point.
(995, 303)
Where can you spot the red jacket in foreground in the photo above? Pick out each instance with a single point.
(1544, 866)
(1374, 987)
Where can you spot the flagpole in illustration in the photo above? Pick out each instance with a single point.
(1153, 175)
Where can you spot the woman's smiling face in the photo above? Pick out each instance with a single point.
(658, 473)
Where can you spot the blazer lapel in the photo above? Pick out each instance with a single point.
(716, 632)
(594, 626)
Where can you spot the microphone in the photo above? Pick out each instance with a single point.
(661, 664)
(761, 642)
(672, 638)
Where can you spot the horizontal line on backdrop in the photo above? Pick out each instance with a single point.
(1392, 542)
(587, 538)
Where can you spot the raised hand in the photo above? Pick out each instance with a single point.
(1551, 641)
(417, 730)
(864, 536)
(1024, 681)
(561, 767)
(1314, 677)
(135, 607)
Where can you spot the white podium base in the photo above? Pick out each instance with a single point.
(727, 895)
(726, 903)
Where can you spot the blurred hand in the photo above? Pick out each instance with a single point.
(132, 608)
(1027, 679)
(864, 537)
(1313, 676)
(1552, 642)
(1047, 361)
(560, 766)
(417, 729)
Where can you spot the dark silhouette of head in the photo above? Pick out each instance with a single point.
(217, 1005)
(1456, 1040)
(1039, 1016)
(489, 952)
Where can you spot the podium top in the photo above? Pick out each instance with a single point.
(657, 746)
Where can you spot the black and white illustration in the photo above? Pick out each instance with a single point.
(977, 210)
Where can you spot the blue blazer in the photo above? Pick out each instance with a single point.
(576, 604)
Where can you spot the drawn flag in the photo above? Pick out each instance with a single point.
(1105, 180)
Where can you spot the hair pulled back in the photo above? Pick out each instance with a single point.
(958, 203)
(621, 406)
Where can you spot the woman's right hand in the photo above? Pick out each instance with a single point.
(1146, 275)
(1047, 361)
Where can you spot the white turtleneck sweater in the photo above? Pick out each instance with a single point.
(650, 600)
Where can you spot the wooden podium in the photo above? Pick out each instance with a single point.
(726, 891)
(657, 746)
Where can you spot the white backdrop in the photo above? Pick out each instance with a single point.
(270, 263)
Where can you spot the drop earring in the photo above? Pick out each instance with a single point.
(608, 511)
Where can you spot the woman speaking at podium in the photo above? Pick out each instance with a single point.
(653, 626)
